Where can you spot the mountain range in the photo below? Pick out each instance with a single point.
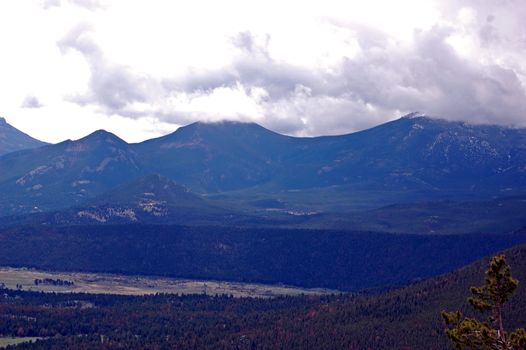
(364, 213)
(229, 167)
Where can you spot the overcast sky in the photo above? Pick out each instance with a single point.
(143, 68)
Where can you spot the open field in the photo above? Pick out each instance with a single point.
(97, 283)
(13, 341)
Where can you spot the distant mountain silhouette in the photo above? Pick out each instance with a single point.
(12, 139)
(413, 153)
(65, 174)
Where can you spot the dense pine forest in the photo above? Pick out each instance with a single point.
(342, 260)
(405, 318)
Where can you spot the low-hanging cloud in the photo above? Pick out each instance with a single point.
(384, 79)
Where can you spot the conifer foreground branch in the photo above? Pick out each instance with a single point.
(489, 334)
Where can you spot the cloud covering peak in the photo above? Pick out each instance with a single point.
(307, 69)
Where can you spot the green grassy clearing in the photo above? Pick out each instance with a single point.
(97, 283)
(4, 342)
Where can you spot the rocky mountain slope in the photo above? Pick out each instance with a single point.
(414, 154)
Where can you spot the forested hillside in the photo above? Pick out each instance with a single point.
(406, 318)
(343, 260)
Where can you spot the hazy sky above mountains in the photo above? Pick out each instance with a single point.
(142, 68)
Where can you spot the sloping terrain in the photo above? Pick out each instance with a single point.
(406, 318)
(62, 175)
(12, 139)
(343, 260)
(499, 215)
(154, 199)
(411, 159)
(149, 199)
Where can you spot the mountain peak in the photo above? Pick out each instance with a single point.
(104, 136)
(101, 132)
(224, 124)
(221, 122)
(226, 127)
(3, 121)
(203, 131)
(414, 115)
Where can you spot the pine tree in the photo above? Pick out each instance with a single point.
(470, 333)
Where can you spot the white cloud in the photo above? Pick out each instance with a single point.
(31, 102)
(87, 4)
(304, 68)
